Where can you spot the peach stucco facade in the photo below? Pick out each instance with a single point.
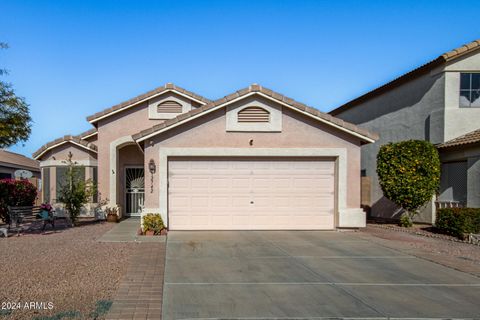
(298, 131)
(205, 129)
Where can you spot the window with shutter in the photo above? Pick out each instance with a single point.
(169, 107)
(253, 114)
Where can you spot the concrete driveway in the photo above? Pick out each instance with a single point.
(307, 275)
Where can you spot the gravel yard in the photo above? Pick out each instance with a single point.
(68, 269)
(461, 256)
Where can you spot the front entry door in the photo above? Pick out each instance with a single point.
(135, 190)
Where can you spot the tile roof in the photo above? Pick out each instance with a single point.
(440, 60)
(15, 160)
(167, 87)
(270, 93)
(68, 138)
(87, 133)
(469, 138)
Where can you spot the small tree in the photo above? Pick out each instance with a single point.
(15, 120)
(409, 174)
(75, 192)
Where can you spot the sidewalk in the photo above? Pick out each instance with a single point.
(127, 231)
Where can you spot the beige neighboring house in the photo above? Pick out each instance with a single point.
(11, 162)
(438, 102)
(254, 159)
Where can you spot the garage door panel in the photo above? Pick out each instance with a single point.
(251, 194)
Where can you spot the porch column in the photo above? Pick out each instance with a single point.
(114, 147)
(473, 182)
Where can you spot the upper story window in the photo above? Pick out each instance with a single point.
(470, 90)
(169, 106)
(253, 114)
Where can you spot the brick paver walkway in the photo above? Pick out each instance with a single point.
(140, 293)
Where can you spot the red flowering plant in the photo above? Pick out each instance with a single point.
(15, 193)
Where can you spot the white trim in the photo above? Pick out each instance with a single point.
(90, 135)
(267, 97)
(61, 143)
(58, 163)
(352, 218)
(339, 153)
(114, 146)
(143, 100)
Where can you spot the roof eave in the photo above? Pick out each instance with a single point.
(36, 155)
(141, 136)
(93, 120)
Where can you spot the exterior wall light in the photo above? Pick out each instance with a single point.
(151, 166)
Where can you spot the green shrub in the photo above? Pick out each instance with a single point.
(458, 221)
(153, 222)
(409, 173)
(15, 193)
(406, 221)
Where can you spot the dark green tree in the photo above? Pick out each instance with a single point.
(409, 174)
(15, 120)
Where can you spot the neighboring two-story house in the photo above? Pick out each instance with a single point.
(254, 159)
(438, 102)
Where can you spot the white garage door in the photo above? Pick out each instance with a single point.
(249, 194)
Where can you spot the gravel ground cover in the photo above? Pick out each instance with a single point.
(458, 255)
(67, 269)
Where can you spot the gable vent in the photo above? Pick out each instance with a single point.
(253, 114)
(169, 107)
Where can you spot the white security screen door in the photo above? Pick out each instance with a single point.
(135, 190)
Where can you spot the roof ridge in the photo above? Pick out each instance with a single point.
(253, 88)
(63, 139)
(87, 133)
(145, 96)
(441, 59)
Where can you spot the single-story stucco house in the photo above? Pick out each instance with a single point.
(254, 159)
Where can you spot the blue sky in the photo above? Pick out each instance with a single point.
(70, 59)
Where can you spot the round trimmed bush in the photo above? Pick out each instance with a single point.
(409, 173)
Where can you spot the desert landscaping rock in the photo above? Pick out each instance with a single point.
(68, 268)
(458, 255)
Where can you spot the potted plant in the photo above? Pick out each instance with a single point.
(152, 224)
(45, 210)
(46, 207)
(112, 214)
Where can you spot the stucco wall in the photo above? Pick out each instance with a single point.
(110, 129)
(60, 153)
(298, 131)
(412, 111)
(117, 126)
(459, 121)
